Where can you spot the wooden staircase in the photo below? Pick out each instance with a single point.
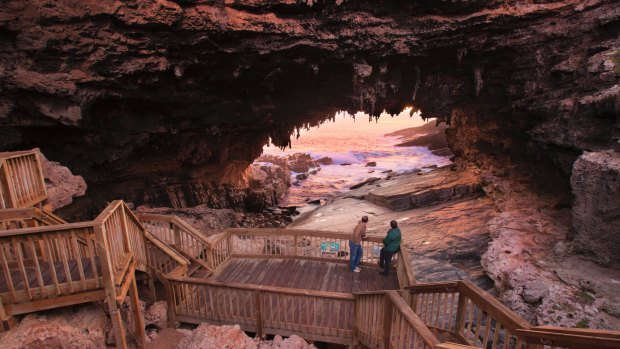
(48, 263)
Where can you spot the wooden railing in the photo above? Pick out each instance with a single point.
(30, 217)
(164, 260)
(305, 244)
(470, 314)
(21, 179)
(60, 263)
(569, 338)
(315, 315)
(309, 244)
(124, 237)
(383, 320)
(177, 233)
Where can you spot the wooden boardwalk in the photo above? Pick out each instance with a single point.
(305, 275)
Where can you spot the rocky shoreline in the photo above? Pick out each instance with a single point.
(505, 238)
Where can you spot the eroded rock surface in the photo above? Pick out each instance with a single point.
(62, 185)
(64, 328)
(424, 188)
(167, 103)
(215, 337)
(534, 265)
(596, 210)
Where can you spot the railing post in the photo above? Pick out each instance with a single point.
(137, 314)
(8, 181)
(259, 314)
(172, 321)
(229, 244)
(356, 322)
(460, 313)
(177, 235)
(110, 287)
(387, 321)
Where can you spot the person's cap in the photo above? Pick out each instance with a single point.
(364, 218)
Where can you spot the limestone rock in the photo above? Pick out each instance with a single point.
(425, 189)
(218, 337)
(62, 185)
(83, 329)
(595, 183)
(157, 315)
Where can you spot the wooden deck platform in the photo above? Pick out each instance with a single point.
(305, 274)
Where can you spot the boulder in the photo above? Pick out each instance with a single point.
(157, 315)
(65, 329)
(62, 185)
(595, 182)
(216, 337)
(325, 161)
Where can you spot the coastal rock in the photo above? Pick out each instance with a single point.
(595, 183)
(216, 337)
(325, 161)
(157, 315)
(423, 189)
(371, 164)
(62, 185)
(84, 329)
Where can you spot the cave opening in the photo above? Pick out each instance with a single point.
(349, 149)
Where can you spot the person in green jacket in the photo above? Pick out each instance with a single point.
(391, 245)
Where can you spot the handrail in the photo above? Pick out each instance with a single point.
(45, 229)
(296, 232)
(492, 306)
(176, 232)
(165, 248)
(556, 337)
(175, 220)
(297, 242)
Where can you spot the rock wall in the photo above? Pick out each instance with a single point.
(596, 212)
(168, 102)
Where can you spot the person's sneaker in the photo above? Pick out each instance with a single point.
(357, 270)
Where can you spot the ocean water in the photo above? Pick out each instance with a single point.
(356, 140)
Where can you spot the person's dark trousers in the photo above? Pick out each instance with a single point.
(385, 261)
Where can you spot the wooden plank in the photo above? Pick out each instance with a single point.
(7, 272)
(449, 345)
(52, 263)
(20, 261)
(51, 303)
(78, 258)
(37, 267)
